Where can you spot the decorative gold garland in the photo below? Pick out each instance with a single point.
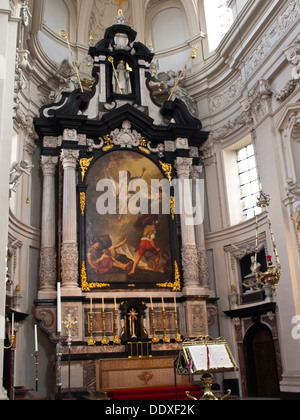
(87, 287)
(176, 286)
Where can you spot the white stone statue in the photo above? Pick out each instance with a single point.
(123, 73)
(250, 281)
(16, 171)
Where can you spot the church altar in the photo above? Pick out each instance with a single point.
(123, 265)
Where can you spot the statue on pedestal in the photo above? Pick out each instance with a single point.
(121, 80)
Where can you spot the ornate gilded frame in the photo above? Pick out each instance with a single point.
(85, 164)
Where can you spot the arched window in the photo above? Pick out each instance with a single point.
(219, 19)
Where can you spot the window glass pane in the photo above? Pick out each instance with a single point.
(248, 181)
(243, 166)
(251, 162)
(246, 190)
(255, 187)
(219, 18)
(250, 150)
(253, 174)
(242, 154)
(245, 178)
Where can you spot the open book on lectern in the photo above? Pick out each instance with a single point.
(208, 355)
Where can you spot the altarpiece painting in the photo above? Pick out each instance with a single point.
(125, 243)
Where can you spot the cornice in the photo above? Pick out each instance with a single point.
(9, 13)
(22, 229)
(245, 228)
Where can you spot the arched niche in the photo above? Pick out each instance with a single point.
(56, 16)
(168, 29)
(188, 9)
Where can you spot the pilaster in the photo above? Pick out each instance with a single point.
(8, 34)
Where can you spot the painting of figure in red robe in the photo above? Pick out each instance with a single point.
(127, 221)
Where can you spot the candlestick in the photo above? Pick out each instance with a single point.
(177, 335)
(91, 342)
(36, 357)
(105, 340)
(155, 339)
(12, 336)
(36, 346)
(116, 340)
(166, 338)
(69, 323)
(59, 322)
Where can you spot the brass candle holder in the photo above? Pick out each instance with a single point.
(272, 276)
(166, 338)
(177, 335)
(105, 340)
(116, 340)
(155, 339)
(12, 342)
(91, 342)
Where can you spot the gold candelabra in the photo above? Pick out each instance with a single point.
(12, 342)
(272, 276)
(105, 340)
(116, 340)
(155, 339)
(91, 342)
(166, 338)
(12, 336)
(177, 335)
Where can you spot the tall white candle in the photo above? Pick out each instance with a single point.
(115, 303)
(163, 304)
(102, 304)
(59, 307)
(151, 302)
(13, 324)
(36, 346)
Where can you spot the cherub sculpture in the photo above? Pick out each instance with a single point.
(16, 172)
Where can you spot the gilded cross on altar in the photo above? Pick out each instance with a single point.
(120, 4)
